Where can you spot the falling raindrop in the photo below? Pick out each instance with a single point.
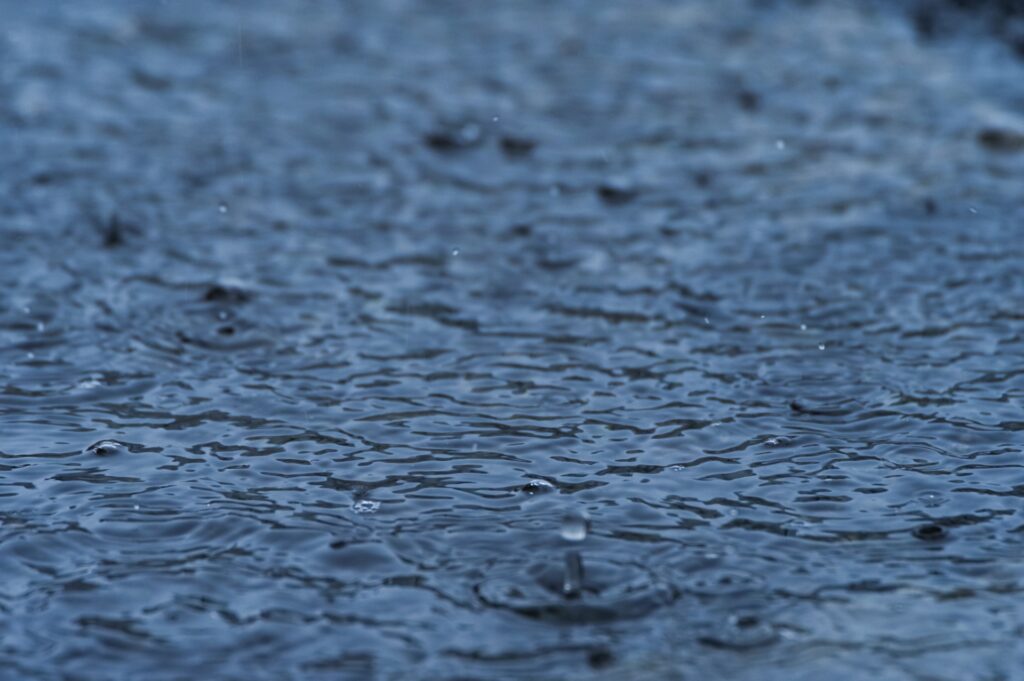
(575, 526)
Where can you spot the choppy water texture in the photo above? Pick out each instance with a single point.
(510, 340)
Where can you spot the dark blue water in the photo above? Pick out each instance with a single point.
(514, 340)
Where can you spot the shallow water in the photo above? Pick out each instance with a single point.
(576, 340)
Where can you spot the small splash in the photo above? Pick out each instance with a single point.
(106, 448)
(575, 526)
(89, 383)
(741, 632)
(572, 582)
(931, 499)
(366, 506)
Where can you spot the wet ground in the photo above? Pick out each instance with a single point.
(511, 340)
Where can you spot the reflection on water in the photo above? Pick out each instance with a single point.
(385, 340)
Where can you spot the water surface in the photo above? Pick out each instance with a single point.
(513, 340)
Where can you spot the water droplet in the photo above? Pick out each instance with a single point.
(538, 487)
(932, 499)
(821, 346)
(572, 581)
(707, 321)
(222, 207)
(973, 210)
(366, 506)
(455, 252)
(575, 526)
(495, 119)
(803, 327)
(40, 327)
(780, 144)
(136, 507)
(106, 448)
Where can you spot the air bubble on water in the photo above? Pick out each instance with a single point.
(538, 486)
(575, 525)
(106, 448)
(366, 506)
(932, 499)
